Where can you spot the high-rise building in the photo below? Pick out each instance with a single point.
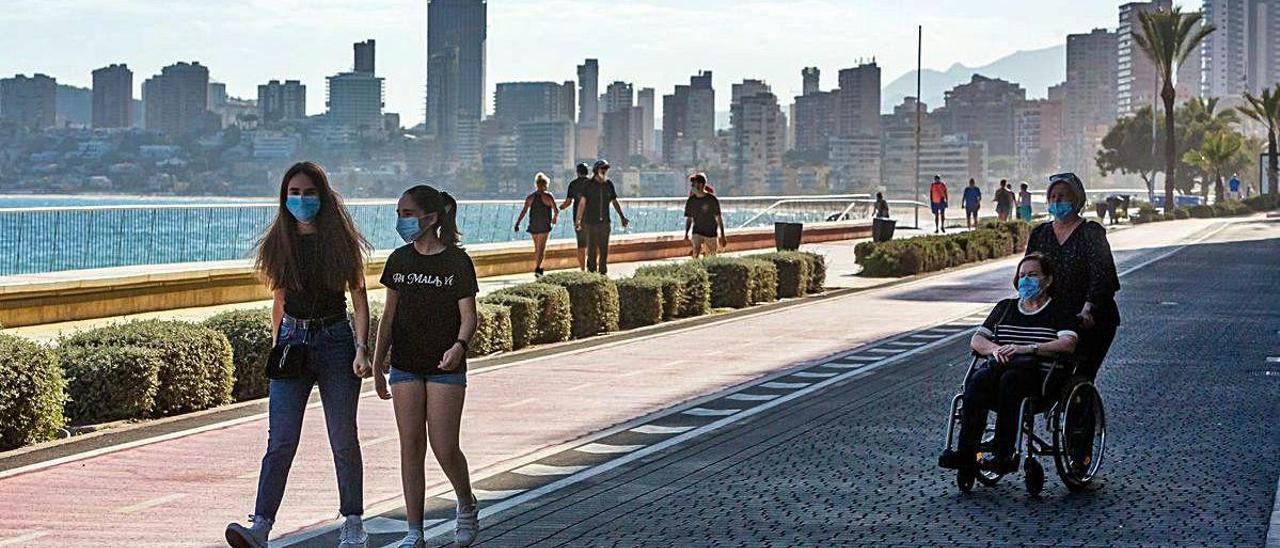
(545, 146)
(618, 96)
(364, 55)
(814, 115)
(689, 122)
(855, 163)
(29, 102)
(645, 102)
(1244, 53)
(898, 139)
(568, 91)
(113, 96)
(859, 103)
(456, 34)
(812, 80)
(1137, 82)
(616, 136)
(758, 136)
(1089, 99)
(982, 110)
(516, 102)
(355, 99)
(589, 93)
(1038, 136)
(176, 101)
(279, 102)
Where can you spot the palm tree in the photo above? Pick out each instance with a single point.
(1168, 38)
(1266, 109)
(1219, 150)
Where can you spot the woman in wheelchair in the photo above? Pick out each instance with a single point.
(1021, 340)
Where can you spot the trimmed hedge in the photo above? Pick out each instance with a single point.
(1201, 211)
(32, 393)
(936, 252)
(672, 296)
(593, 299)
(639, 302)
(764, 280)
(817, 271)
(109, 384)
(1019, 232)
(493, 331)
(695, 286)
(198, 372)
(1262, 202)
(554, 313)
(249, 332)
(793, 272)
(524, 316)
(730, 281)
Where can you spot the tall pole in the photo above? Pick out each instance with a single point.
(919, 68)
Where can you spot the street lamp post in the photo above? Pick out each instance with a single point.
(919, 62)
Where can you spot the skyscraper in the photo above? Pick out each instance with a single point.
(983, 111)
(589, 93)
(113, 96)
(1089, 101)
(859, 102)
(759, 136)
(516, 102)
(282, 102)
(812, 80)
(29, 102)
(355, 98)
(1137, 83)
(364, 55)
(689, 122)
(645, 102)
(618, 96)
(176, 101)
(456, 33)
(1244, 53)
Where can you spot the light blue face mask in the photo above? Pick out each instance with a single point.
(1028, 287)
(409, 228)
(303, 208)
(1061, 210)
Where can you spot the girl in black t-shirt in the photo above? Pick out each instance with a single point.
(429, 318)
(541, 207)
(310, 256)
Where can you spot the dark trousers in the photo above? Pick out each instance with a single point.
(1092, 349)
(597, 247)
(1000, 387)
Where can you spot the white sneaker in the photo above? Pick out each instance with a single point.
(468, 523)
(412, 541)
(254, 536)
(352, 534)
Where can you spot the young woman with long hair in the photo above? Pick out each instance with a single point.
(310, 256)
(427, 323)
(541, 208)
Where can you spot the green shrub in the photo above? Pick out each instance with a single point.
(1262, 202)
(1019, 232)
(1199, 212)
(112, 383)
(639, 302)
(198, 372)
(672, 296)
(793, 272)
(249, 332)
(555, 315)
(1236, 208)
(524, 316)
(930, 253)
(764, 280)
(695, 286)
(817, 271)
(32, 393)
(593, 298)
(730, 281)
(493, 331)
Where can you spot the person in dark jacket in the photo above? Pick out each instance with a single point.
(1086, 271)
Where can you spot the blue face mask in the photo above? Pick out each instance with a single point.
(409, 228)
(1028, 287)
(1060, 210)
(303, 208)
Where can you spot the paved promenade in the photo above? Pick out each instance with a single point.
(182, 490)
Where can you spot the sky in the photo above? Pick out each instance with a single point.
(651, 43)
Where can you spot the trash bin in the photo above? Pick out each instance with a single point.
(882, 229)
(786, 236)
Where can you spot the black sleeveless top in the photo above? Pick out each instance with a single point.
(539, 213)
(314, 300)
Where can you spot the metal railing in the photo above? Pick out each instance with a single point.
(49, 239)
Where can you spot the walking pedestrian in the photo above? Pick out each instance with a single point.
(427, 324)
(311, 255)
(1024, 203)
(702, 215)
(593, 217)
(541, 207)
(881, 210)
(938, 204)
(1004, 201)
(972, 203)
(1234, 186)
(571, 197)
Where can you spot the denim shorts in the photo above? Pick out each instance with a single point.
(399, 375)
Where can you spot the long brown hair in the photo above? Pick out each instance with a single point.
(342, 248)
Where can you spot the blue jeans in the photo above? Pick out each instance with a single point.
(330, 354)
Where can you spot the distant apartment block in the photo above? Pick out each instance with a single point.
(355, 99)
(645, 101)
(517, 102)
(1243, 55)
(689, 122)
(545, 146)
(456, 34)
(982, 110)
(113, 97)
(758, 137)
(29, 102)
(1137, 83)
(281, 102)
(1037, 137)
(176, 101)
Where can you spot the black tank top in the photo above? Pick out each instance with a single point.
(539, 211)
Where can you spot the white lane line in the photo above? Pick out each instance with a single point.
(860, 359)
(846, 365)
(883, 350)
(518, 403)
(928, 336)
(578, 387)
(909, 344)
(606, 449)
(158, 501)
(483, 495)
(785, 385)
(813, 375)
(1273, 359)
(23, 539)
(704, 412)
(656, 429)
(751, 397)
(387, 526)
(540, 470)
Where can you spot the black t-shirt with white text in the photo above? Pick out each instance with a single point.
(703, 211)
(428, 288)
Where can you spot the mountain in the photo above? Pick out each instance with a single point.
(1035, 70)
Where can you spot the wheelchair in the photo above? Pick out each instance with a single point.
(1074, 418)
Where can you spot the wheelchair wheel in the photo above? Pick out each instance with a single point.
(1079, 434)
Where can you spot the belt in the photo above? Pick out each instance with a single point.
(318, 322)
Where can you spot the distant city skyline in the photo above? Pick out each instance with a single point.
(649, 43)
